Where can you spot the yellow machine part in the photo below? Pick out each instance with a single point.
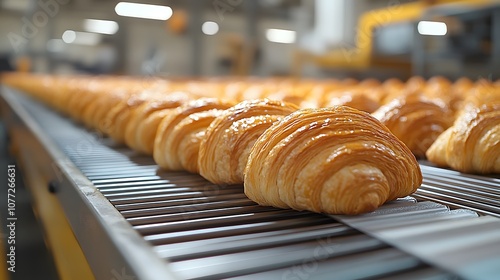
(359, 57)
(3, 263)
(68, 257)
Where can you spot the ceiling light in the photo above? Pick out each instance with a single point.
(147, 11)
(100, 26)
(69, 36)
(210, 28)
(433, 28)
(281, 36)
(81, 38)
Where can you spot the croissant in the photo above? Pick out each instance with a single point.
(79, 99)
(335, 160)
(116, 119)
(415, 120)
(458, 91)
(390, 89)
(415, 84)
(482, 93)
(179, 134)
(141, 128)
(288, 97)
(108, 93)
(472, 144)
(103, 106)
(101, 100)
(355, 99)
(224, 150)
(85, 94)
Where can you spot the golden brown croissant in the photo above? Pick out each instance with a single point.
(472, 144)
(335, 160)
(288, 97)
(105, 94)
(390, 89)
(80, 98)
(139, 133)
(179, 134)
(459, 91)
(355, 99)
(85, 93)
(482, 93)
(104, 105)
(37, 85)
(415, 84)
(393, 89)
(229, 138)
(100, 100)
(116, 119)
(415, 120)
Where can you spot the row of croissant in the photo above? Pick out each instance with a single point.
(339, 159)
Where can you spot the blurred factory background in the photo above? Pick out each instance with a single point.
(321, 38)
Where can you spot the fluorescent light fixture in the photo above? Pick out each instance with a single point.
(81, 38)
(433, 28)
(210, 28)
(281, 36)
(55, 45)
(108, 27)
(136, 10)
(69, 36)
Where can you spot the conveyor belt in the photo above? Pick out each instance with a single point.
(204, 231)
(455, 189)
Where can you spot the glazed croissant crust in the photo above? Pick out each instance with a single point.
(355, 100)
(334, 160)
(179, 134)
(116, 119)
(141, 128)
(472, 144)
(224, 150)
(415, 120)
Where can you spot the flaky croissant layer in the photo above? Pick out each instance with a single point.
(472, 144)
(415, 120)
(177, 142)
(225, 148)
(334, 160)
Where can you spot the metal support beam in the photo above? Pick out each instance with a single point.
(195, 21)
